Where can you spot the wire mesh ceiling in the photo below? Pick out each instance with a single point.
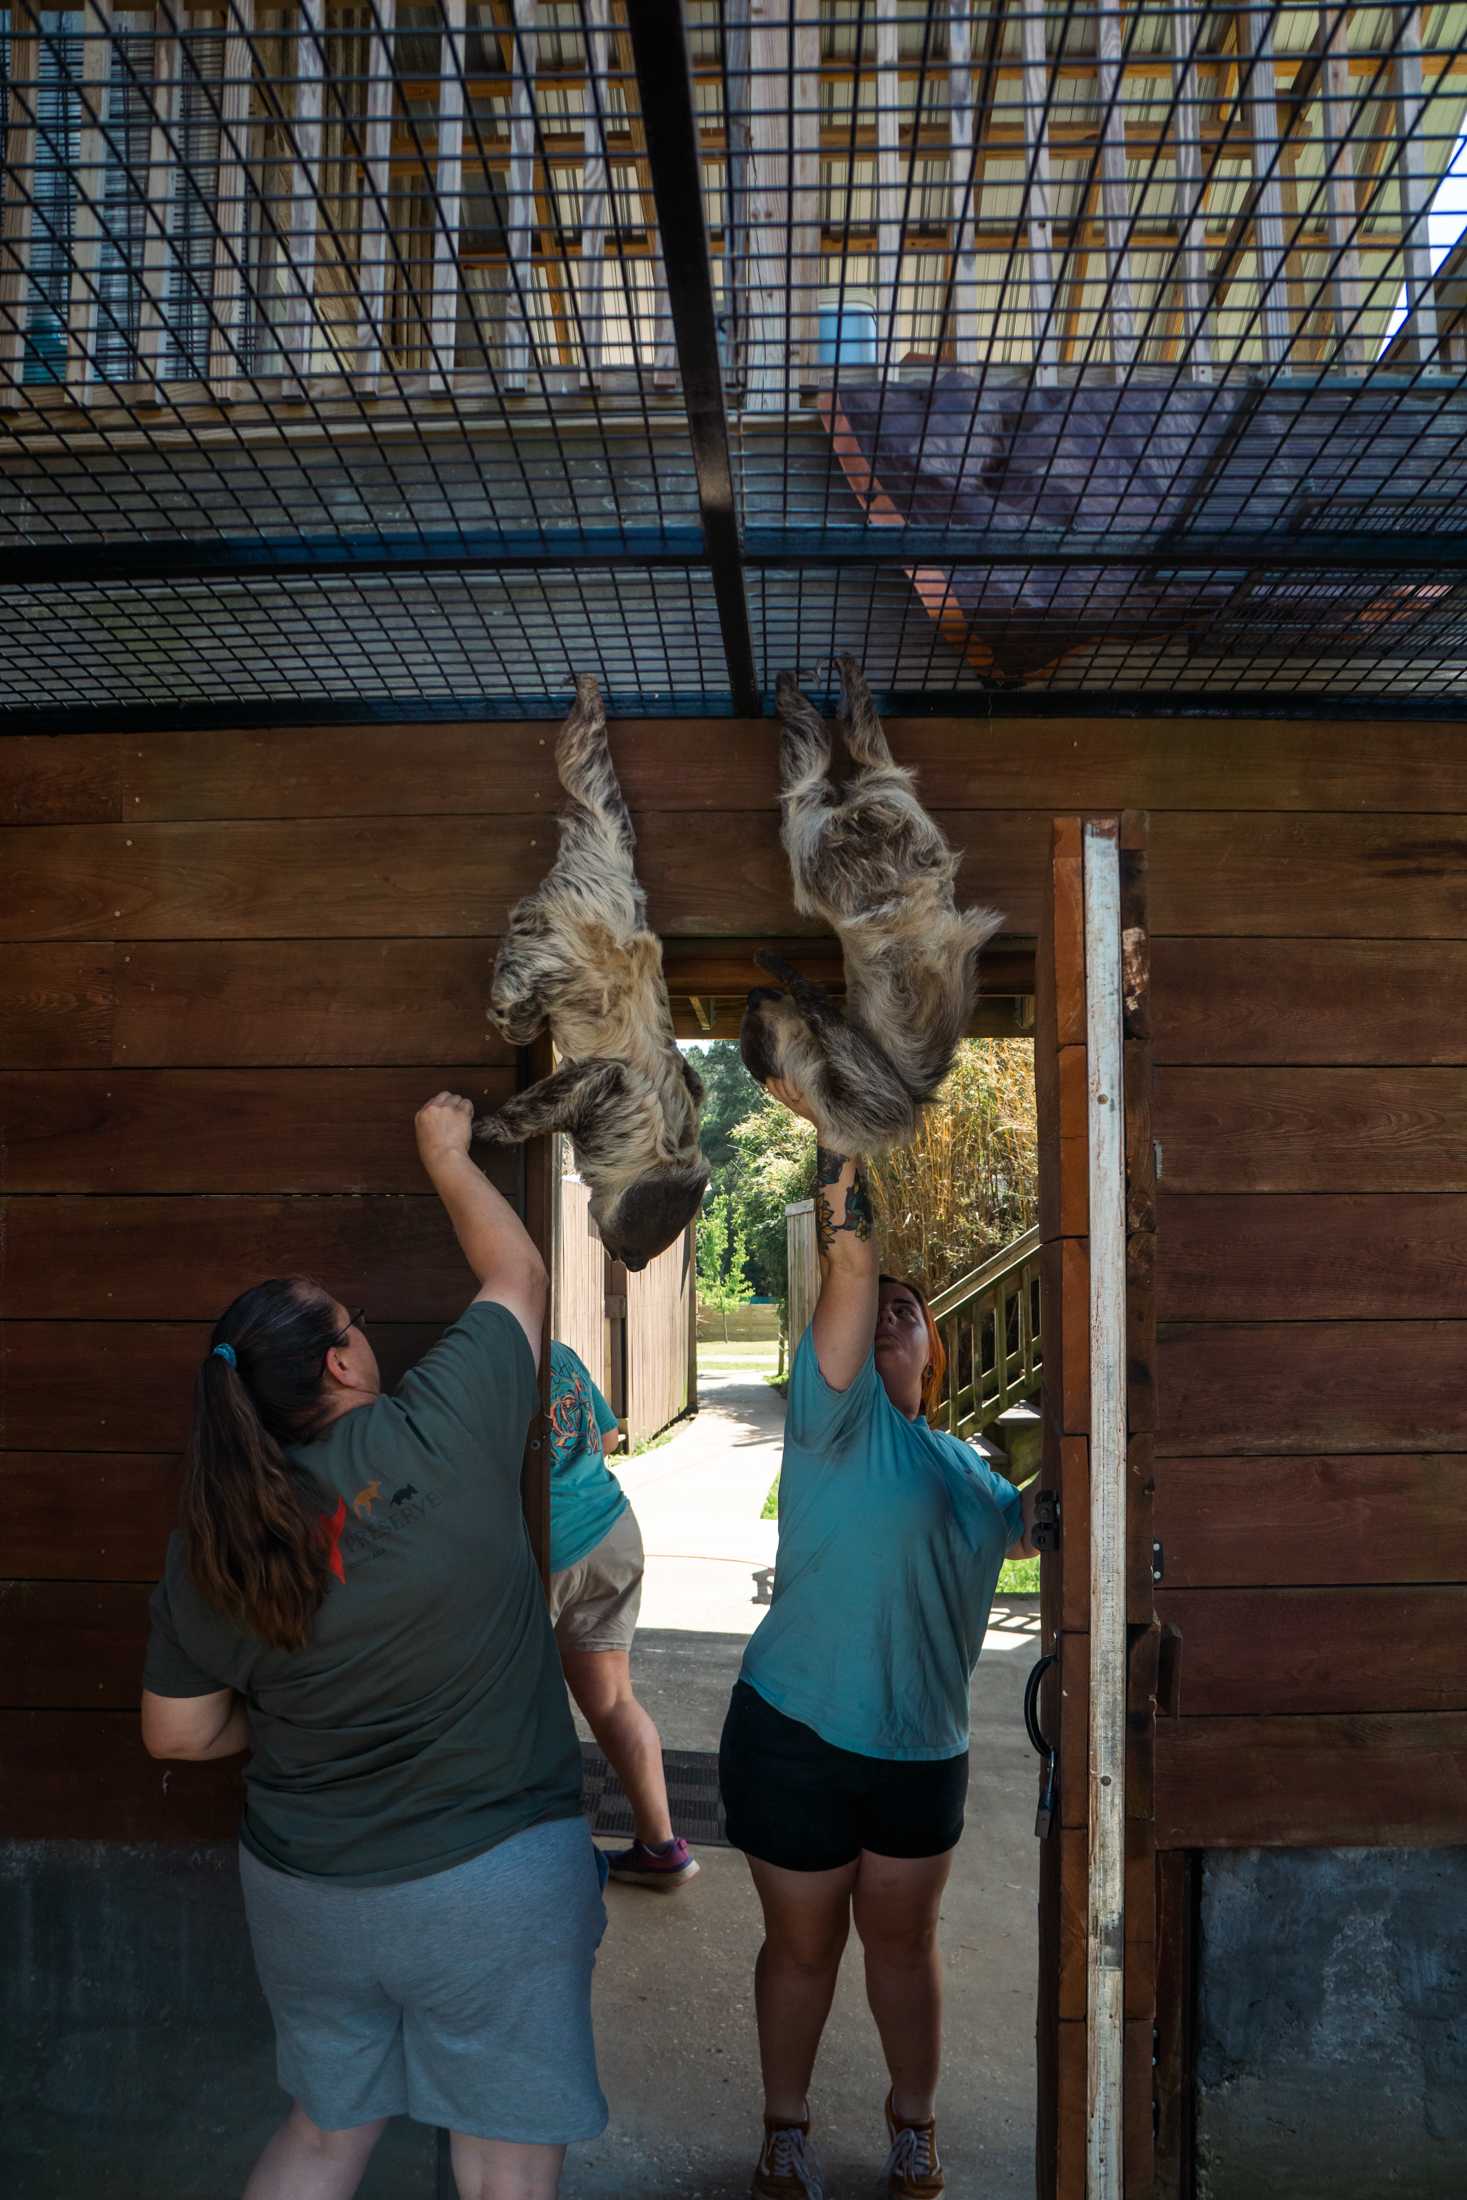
(409, 356)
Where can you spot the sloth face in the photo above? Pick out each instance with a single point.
(652, 1214)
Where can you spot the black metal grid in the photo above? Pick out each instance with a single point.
(407, 356)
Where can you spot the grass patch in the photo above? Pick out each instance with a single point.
(1018, 1577)
(771, 1502)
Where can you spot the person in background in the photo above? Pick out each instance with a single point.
(844, 1759)
(352, 1597)
(596, 1568)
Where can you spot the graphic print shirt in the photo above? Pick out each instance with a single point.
(586, 1500)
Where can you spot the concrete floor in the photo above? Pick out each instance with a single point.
(674, 2000)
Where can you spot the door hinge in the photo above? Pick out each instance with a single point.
(1158, 1562)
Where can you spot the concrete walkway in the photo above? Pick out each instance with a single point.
(674, 1984)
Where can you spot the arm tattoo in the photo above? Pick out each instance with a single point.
(839, 1207)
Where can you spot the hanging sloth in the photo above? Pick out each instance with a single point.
(866, 857)
(577, 956)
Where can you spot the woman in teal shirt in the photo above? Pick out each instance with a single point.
(844, 1761)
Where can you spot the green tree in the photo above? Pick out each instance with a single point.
(774, 1165)
(730, 1094)
(969, 1182)
(723, 1282)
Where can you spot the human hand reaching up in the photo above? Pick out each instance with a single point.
(443, 1125)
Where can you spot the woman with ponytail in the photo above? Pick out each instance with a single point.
(352, 1598)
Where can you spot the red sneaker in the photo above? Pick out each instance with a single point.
(663, 1870)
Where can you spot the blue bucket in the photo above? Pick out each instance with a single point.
(846, 335)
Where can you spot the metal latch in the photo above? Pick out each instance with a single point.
(1044, 1533)
(1044, 1816)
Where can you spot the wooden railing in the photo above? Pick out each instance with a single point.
(991, 1323)
(225, 193)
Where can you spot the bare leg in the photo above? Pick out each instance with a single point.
(896, 1908)
(601, 1682)
(807, 1916)
(504, 2169)
(303, 2162)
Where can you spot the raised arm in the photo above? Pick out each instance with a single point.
(495, 1243)
(844, 1323)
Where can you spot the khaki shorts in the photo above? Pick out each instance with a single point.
(594, 1604)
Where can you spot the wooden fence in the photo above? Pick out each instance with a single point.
(636, 1334)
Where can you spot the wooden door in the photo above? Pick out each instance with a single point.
(1097, 1907)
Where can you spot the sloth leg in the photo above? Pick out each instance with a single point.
(558, 1103)
(858, 721)
(596, 868)
(804, 745)
(525, 974)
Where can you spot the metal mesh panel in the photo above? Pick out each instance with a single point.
(1054, 349)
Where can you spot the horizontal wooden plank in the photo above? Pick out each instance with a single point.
(1302, 1387)
(367, 1003)
(1387, 1780)
(57, 1004)
(1248, 875)
(86, 1515)
(128, 1385)
(708, 874)
(1377, 1517)
(175, 1259)
(444, 876)
(72, 1645)
(85, 1776)
(1311, 1130)
(1287, 1256)
(1075, 764)
(51, 779)
(235, 1130)
(1319, 1650)
(1240, 1001)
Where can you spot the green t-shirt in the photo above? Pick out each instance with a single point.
(586, 1499)
(426, 1720)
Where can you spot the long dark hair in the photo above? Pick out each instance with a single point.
(254, 1535)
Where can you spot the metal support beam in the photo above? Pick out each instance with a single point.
(670, 119)
(297, 557)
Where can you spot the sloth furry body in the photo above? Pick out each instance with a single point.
(867, 859)
(577, 957)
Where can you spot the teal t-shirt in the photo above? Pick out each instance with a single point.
(891, 1536)
(586, 1500)
(425, 1720)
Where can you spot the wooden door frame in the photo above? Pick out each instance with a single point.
(1097, 1876)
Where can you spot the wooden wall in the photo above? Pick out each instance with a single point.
(234, 963)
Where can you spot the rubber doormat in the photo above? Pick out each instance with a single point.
(692, 1795)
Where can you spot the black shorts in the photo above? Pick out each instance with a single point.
(791, 1799)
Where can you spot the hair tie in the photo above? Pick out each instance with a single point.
(225, 1352)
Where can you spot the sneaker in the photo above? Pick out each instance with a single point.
(663, 1870)
(913, 2171)
(788, 2169)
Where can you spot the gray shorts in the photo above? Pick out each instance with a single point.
(594, 1604)
(463, 1999)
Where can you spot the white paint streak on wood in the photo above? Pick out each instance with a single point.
(1105, 1932)
(889, 192)
(962, 181)
(374, 262)
(1038, 203)
(768, 202)
(519, 296)
(1337, 113)
(1192, 221)
(164, 145)
(305, 54)
(91, 182)
(449, 181)
(1260, 104)
(1417, 191)
(805, 238)
(227, 330)
(596, 216)
(1115, 211)
(18, 182)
